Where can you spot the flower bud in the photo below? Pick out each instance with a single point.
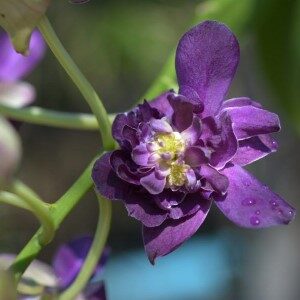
(10, 152)
(8, 289)
(19, 18)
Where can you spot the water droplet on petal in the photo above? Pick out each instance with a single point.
(291, 213)
(255, 221)
(274, 203)
(280, 212)
(257, 212)
(248, 202)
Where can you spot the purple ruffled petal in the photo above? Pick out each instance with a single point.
(161, 240)
(130, 135)
(153, 183)
(227, 145)
(253, 149)
(206, 60)
(107, 183)
(168, 198)
(142, 206)
(192, 97)
(124, 167)
(14, 66)
(195, 157)
(140, 155)
(191, 204)
(192, 134)
(16, 94)
(238, 102)
(162, 104)
(250, 121)
(117, 129)
(215, 179)
(183, 112)
(161, 125)
(249, 203)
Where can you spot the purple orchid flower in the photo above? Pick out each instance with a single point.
(15, 93)
(68, 260)
(14, 67)
(185, 150)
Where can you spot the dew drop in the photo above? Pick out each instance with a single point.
(274, 203)
(257, 212)
(291, 213)
(280, 212)
(255, 221)
(248, 202)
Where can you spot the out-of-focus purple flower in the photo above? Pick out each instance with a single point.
(14, 67)
(15, 93)
(183, 150)
(19, 18)
(68, 261)
(40, 279)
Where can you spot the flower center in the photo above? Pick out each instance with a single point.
(169, 144)
(177, 176)
(170, 148)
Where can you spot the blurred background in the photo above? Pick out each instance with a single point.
(121, 47)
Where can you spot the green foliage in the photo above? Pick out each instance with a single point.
(278, 31)
(235, 14)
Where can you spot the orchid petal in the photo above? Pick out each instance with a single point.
(162, 240)
(16, 94)
(253, 149)
(107, 183)
(153, 183)
(250, 121)
(14, 66)
(249, 203)
(206, 60)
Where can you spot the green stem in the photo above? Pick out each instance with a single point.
(38, 208)
(80, 81)
(165, 80)
(46, 117)
(58, 212)
(95, 252)
(12, 199)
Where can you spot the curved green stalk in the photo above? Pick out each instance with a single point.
(12, 199)
(38, 208)
(95, 252)
(80, 81)
(58, 212)
(47, 117)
